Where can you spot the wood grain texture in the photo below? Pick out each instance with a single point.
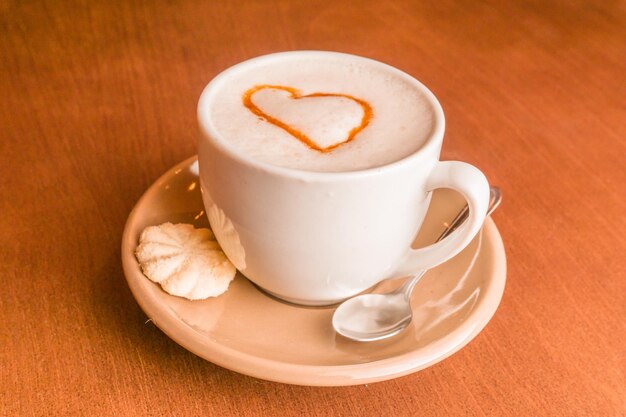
(97, 99)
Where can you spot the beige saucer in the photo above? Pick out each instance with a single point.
(247, 331)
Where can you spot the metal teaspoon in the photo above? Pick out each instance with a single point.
(370, 317)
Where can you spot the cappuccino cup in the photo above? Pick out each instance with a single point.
(316, 170)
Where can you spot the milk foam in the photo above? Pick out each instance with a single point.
(401, 122)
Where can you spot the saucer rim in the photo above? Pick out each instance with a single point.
(301, 374)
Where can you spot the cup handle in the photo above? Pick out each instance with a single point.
(473, 185)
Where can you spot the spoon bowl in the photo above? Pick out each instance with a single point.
(372, 316)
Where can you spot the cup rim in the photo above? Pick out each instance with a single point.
(211, 134)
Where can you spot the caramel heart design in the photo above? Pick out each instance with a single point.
(294, 94)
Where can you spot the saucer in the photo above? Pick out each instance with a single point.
(249, 332)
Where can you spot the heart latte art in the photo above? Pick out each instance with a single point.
(322, 121)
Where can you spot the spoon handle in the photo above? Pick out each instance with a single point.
(495, 197)
(494, 201)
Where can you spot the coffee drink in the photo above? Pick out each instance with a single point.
(337, 113)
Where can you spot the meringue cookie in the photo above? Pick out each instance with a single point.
(185, 261)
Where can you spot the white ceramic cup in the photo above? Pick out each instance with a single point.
(316, 238)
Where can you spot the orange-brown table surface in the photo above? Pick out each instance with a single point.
(97, 99)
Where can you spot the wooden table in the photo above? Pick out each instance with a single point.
(98, 99)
